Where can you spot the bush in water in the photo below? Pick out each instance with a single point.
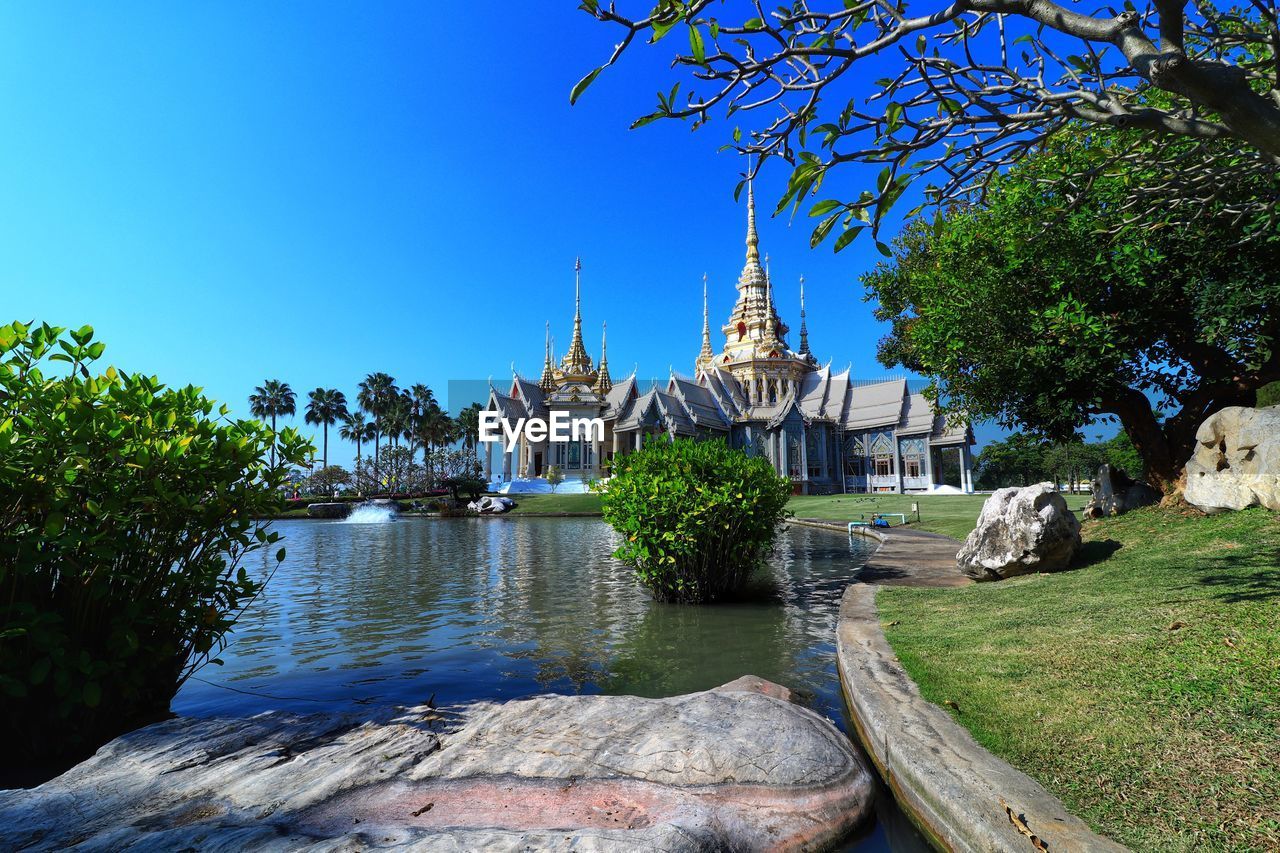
(696, 517)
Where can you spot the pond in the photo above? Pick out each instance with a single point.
(466, 609)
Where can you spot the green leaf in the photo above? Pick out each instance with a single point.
(848, 237)
(696, 45)
(92, 694)
(581, 85)
(823, 207)
(54, 523)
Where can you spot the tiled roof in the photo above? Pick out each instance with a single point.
(878, 405)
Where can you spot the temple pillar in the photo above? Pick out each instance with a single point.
(488, 462)
(506, 466)
(897, 464)
(804, 458)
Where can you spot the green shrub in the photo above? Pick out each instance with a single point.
(126, 516)
(696, 517)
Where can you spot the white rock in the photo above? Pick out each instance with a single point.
(1236, 463)
(1020, 530)
(736, 768)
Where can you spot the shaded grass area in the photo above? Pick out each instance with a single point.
(951, 515)
(1142, 688)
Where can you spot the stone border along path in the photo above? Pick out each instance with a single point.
(960, 795)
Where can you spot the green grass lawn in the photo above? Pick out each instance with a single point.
(526, 504)
(953, 515)
(1142, 688)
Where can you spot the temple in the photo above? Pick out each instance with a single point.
(822, 430)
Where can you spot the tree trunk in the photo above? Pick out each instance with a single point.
(273, 440)
(324, 461)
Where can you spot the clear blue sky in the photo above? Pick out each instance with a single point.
(236, 191)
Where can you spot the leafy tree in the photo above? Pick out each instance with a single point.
(327, 480)
(971, 88)
(326, 407)
(554, 476)
(1073, 462)
(272, 399)
(1053, 326)
(125, 527)
(1120, 453)
(695, 518)
(1018, 460)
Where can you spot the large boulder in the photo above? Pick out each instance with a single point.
(1115, 493)
(1236, 463)
(736, 768)
(1020, 530)
(329, 510)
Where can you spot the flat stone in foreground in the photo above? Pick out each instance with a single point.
(739, 767)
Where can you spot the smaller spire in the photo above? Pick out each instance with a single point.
(548, 380)
(804, 331)
(706, 356)
(770, 320)
(603, 381)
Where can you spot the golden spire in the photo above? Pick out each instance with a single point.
(547, 381)
(753, 240)
(603, 381)
(576, 360)
(804, 331)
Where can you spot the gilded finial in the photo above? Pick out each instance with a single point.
(753, 239)
(804, 331)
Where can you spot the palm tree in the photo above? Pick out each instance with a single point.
(270, 400)
(376, 390)
(469, 425)
(423, 399)
(435, 428)
(326, 407)
(356, 428)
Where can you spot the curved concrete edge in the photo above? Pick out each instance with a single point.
(955, 790)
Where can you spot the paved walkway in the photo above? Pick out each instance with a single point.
(906, 557)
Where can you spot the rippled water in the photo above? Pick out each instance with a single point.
(467, 609)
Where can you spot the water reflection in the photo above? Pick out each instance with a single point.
(468, 609)
(496, 609)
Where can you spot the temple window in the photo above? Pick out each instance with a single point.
(814, 450)
(742, 330)
(911, 466)
(884, 466)
(793, 438)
